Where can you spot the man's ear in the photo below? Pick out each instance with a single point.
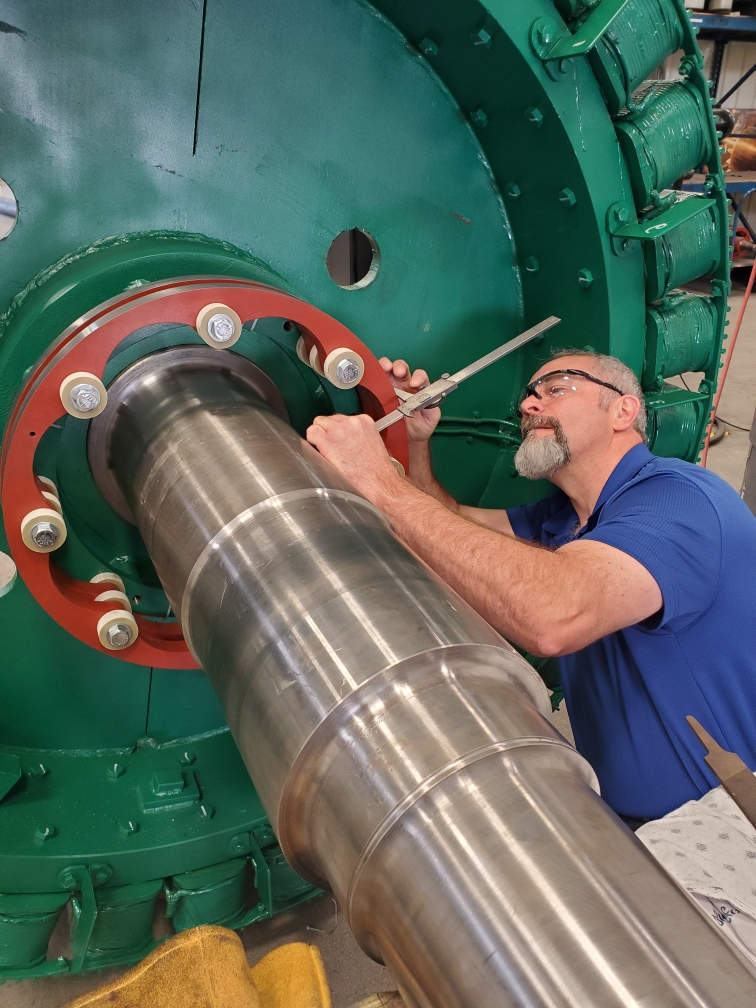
(625, 412)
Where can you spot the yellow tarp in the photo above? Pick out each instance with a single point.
(206, 967)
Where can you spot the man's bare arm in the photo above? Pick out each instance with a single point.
(421, 475)
(550, 603)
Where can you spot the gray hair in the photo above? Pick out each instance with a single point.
(612, 370)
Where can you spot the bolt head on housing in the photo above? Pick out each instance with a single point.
(347, 371)
(43, 529)
(85, 397)
(44, 534)
(119, 635)
(221, 328)
(344, 368)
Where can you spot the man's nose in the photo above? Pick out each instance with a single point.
(531, 405)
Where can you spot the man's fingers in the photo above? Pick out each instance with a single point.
(419, 379)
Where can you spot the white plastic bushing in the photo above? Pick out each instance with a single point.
(52, 499)
(107, 577)
(87, 388)
(115, 596)
(219, 326)
(47, 484)
(314, 361)
(7, 574)
(113, 619)
(344, 368)
(39, 516)
(302, 351)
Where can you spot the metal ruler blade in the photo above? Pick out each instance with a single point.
(438, 390)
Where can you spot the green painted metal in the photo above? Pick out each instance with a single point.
(688, 251)
(239, 138)
(682, 337)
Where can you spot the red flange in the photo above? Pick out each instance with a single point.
(86, 346)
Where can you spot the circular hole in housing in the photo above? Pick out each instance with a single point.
(8, 210)
(353, 259)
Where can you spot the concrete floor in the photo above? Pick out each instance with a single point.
(351, 974)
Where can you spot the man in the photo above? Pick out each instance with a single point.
(644, 588)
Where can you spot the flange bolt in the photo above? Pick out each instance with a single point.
(117, 629)
(43, 530)
(44, 534)
(221, 328)
(218, 325)
(347, 371)
(85, 397)
(119, 635)
(344, 368)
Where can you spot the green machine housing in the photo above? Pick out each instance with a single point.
(509, 160)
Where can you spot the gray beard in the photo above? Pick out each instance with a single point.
(540, 457)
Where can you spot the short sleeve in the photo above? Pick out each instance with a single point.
(669, 525)
(527, 521)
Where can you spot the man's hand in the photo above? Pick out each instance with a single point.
(423, 422)
(353, 446)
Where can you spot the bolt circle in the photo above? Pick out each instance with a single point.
(85, 397)
(221, 328)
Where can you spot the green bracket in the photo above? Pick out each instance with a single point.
(550, 44)
(649, 230)
(85, 921)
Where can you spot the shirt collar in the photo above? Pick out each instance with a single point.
(628, 466)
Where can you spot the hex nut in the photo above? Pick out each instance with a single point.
(344, 368)
(117, 629)
(219, 326)
(83, 395)
(36, 530)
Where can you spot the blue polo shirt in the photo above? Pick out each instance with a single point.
(629, 692)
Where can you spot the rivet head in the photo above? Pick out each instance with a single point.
(428, 47)
(187, 758)
(43, 833)
(221, 328)
(534, 115)
(119, 635)
(479, 117)
(568, 197)
(128, 827)
(513, 190)
(585, 277)
(85, 397)
(206, 811)
(44, 534)
(115, 770)
(347, 370)
(531, 264)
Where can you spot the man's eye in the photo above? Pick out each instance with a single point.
(555, 390)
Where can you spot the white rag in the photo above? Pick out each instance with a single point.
(709, 848)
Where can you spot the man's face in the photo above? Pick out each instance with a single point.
(561, 427)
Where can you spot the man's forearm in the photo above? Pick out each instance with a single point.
(421, 475)
(516, 586)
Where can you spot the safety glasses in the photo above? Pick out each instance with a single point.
(559, 383)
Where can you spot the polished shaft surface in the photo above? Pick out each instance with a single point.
(395, 739)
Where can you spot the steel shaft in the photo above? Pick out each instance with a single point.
(397, 742)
